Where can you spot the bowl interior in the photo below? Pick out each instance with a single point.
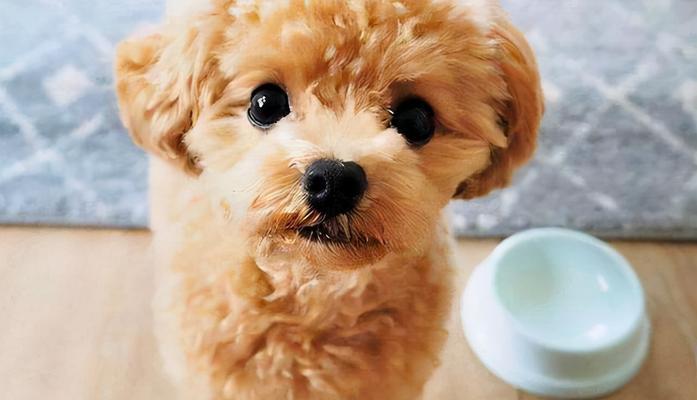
(568, 292)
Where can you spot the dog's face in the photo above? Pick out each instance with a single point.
(335, 129)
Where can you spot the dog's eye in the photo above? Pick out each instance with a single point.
(415, 120)
(269, 103)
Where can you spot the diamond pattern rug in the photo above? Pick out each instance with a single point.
(617, 153)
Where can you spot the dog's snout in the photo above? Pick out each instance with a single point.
(334, 187)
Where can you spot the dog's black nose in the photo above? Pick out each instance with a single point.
(334, 187)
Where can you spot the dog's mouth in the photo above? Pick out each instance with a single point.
(333, 232)
(343, 241)
(323, 233)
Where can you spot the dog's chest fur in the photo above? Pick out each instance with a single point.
(246, 325)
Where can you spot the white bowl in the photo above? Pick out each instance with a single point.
(557, 313)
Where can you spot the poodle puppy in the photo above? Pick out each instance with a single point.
(303, 152)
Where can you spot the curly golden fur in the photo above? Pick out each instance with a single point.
(246, 307)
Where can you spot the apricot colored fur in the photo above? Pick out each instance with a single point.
(248, 309)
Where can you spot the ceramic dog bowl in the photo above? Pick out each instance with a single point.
(557, 313)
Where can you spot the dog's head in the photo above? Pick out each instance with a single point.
(338, 127)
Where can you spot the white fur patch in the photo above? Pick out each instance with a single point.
(242, 7)
(329, 53)
(358, 6)
(263, 8)
(266, 8)
(293, 29)
(482, 12)
(179, 9)
(399, 7)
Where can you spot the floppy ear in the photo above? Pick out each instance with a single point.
(162, 82)
(519, 114)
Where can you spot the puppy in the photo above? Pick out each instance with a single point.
(304, 151)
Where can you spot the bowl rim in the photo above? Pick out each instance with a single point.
(583, 240)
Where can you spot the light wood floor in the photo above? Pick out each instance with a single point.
(75, 321)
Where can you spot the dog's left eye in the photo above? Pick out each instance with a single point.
(415, 120)
(269, 103)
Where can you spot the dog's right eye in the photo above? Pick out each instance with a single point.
(269, 103)
(415, 120)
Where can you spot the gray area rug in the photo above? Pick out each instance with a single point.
(617, 154)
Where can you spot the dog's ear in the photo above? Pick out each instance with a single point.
(162, 82)
(519, 114)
